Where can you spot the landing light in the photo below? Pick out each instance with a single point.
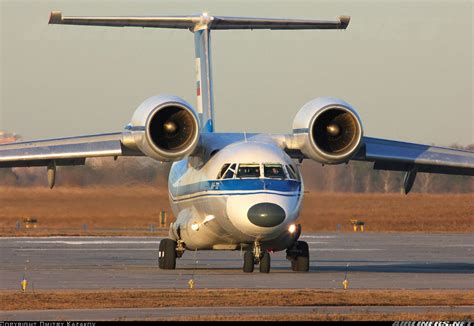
(196, 226)
(292, 228)
(208, 219)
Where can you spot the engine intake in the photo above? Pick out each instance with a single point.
(327, 130)
(165, 128)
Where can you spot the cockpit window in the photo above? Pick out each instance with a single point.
(274, 171)
(230, 172)
(291, 172)
(248, 171)
(222, 171)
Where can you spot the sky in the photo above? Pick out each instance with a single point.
(406, 66)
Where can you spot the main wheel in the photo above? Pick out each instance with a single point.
(248, 262)
(293, 265)
(265, 263)
(301, 263)
(167, 254)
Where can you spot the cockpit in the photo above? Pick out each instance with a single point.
(258, 170)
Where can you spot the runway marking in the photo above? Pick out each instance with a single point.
(87, 249)
(83, 237)
(345, 249)
(88, 242)
(461, 246)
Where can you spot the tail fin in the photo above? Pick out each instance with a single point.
(201, 26)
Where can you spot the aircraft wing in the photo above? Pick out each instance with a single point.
(63, 151)
(412, 158)
(402, 156)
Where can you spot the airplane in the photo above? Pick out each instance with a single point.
(234, 191)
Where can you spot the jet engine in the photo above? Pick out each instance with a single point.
(165, 128)
(327, 130)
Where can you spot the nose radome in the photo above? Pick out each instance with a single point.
(266, 214)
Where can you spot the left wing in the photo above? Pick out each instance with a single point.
(400, 156)
(412, 158)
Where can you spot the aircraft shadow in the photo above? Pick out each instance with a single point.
(411, 267)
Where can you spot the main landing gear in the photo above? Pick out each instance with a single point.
(169, 250)
(298, 254)
(256, 256)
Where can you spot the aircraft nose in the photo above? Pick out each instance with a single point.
(266, 214)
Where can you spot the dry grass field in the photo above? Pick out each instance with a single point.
(131, 210)
(14, 300)
(232, 298)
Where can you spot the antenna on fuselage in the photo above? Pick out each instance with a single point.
(201, 25)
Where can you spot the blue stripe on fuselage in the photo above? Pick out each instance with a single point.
(236, 185)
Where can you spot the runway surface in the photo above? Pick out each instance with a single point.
(183, 312)
(372, 260)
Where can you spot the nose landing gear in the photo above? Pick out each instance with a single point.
(256, 256)
(169, 250)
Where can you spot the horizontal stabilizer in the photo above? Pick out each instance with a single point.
(194, 21)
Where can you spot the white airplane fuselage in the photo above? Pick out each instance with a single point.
(215, 212)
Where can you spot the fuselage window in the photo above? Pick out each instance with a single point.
(230, 172)
(274, 171)
(291, 172)
(224, 168)
(248, 171)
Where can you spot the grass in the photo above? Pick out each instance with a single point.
(131, 210)
(84, 299)
(333, 317)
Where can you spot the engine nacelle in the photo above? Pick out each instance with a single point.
(165, 128)
(327, 130)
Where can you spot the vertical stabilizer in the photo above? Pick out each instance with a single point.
(205, 101)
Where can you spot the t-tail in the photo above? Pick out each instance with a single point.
(201, 26)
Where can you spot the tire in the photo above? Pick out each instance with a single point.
(167, 257)
(248, 262)
(293, 265)
(302, 261)
(161, 254)
(265, 263)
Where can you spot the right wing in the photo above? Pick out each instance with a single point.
(63, 151)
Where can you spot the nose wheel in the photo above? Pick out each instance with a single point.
(256, 256)
(167, 254)
(248, 262)
(265, 263)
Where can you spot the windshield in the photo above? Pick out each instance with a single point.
(274, 171)
(224, 168)
(248, 171)
(292, 173)
(230, 172)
